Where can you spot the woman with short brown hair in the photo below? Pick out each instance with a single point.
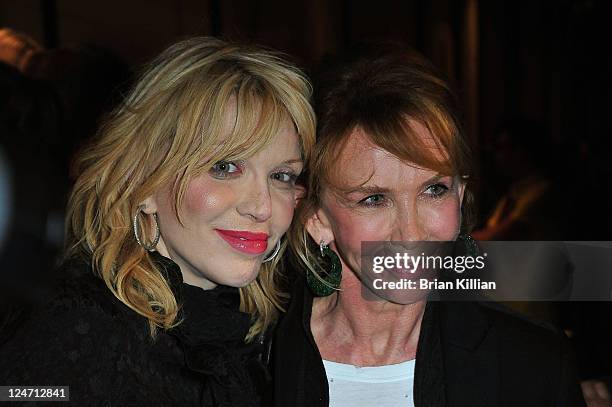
(392, 164)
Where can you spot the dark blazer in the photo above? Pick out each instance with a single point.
(468, 355)
(85, 338)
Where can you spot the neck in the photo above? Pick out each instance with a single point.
(189, 276)
(364, 332)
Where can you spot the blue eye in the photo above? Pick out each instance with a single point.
(373, 200)
(224, 169)
(284, 177)
(437, 190)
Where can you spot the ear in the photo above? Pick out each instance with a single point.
(300, 193)
(461, 191)
(149, 204)
(319, 227)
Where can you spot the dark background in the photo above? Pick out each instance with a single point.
(546, 60)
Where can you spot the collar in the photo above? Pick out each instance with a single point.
(462, 325)
(211, 332)
(206, 316)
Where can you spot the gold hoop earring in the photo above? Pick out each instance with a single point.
(150, 247)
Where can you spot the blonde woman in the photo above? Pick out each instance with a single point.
(174, 229)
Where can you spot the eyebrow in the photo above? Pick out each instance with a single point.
(294, 161)
(436, 178)
(375, 189)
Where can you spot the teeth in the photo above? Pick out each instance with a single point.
(242, 238)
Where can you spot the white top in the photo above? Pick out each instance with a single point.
(379, 386)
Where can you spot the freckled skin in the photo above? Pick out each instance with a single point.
(409, 214)
(246, 200)
(400, 202)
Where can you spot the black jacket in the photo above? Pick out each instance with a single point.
(86, 339)
(468, 355)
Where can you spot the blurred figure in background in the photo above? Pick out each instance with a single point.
(544, 200)
(88, 81)
(29, 130)
(529, 206)
(5, 197)
(16, 48)
(50, 102)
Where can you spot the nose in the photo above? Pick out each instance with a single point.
(410, 225)
(256, 201)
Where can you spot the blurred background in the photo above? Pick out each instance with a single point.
(532, 78)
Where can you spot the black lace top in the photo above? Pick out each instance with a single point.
(86, 339)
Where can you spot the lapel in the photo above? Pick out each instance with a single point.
(470, 349)
(288, 355)
(429, 386)
(300, 378)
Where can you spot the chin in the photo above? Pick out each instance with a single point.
(239, 280)
(241, 283)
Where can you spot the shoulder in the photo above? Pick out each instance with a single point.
(77, 334)
(517, 344)
(476, 321)
(526, 360)
(73, 294)
(516, 328)
(523, 343)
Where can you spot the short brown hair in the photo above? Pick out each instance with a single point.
(379, 88)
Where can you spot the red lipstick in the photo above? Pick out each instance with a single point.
(244, 241)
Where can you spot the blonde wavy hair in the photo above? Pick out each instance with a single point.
(168, 130)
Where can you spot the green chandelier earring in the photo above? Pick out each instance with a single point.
(470, 245)
(328, 279)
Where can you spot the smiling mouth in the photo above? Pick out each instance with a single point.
(244, 241)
